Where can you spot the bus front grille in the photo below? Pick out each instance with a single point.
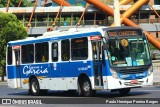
(132, 71)
(129, 83)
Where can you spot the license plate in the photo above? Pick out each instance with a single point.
(134, 82)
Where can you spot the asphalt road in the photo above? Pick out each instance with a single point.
(61, 99)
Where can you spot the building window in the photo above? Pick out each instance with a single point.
(54, 52)
(157, 2)
(28, 53)
(65, 49)
(42, 51)
(79, 48)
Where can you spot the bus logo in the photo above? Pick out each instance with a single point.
(34, 70)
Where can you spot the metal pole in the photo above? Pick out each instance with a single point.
(117, 21)
(19, 3)
(7, 5)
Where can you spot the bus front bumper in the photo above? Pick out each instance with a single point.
(118, 83)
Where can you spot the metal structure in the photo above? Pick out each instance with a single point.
(7, 5)
(154, 10)
(133, 9)
(54, 23)
(124, 2)
(126, 21)
(60, 1)
(29, 23)
(19, 3)
(110, 11)
(87, 5)
(117, 21)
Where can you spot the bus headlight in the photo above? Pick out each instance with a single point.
(114, 73)
(150, 70)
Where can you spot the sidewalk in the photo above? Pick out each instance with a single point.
(3, 82)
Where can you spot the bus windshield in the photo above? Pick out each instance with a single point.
(128, 52)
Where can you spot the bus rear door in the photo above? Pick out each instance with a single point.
(17, 65)
(97, 63)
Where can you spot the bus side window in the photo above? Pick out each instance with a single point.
(28, 53)
(65, 49)
(55, 52)
(79, 48)
(42, 52)
(9, 56)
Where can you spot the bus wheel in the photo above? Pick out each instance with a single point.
(34, 87)
(85, 88)
(124, 91)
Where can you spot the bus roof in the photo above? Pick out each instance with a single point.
(67, 34)
(59, 35)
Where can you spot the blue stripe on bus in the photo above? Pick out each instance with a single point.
(49, 70)
(65, 69)
(38, 40)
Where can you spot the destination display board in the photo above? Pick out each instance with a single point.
(132, 32)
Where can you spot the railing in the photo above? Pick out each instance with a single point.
(86, 22)
(156, 64)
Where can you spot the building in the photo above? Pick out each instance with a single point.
(44, 16)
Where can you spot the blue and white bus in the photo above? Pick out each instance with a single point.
(81, 59)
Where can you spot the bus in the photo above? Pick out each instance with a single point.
(83, 60)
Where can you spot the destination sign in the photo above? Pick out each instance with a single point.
(125, 33)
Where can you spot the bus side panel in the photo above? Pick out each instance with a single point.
(56, 81)
(41, 71)
(75, 69)
(64, 75)
(13, 76)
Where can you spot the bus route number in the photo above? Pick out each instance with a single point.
(122, 33)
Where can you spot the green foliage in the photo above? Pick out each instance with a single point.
(10, 29)
(152, 47)
(79, 4)
(14, 3)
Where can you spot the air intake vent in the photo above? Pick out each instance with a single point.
(132, 71)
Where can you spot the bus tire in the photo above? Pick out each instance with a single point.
(34, 87)
(124, 91)
(85, 88)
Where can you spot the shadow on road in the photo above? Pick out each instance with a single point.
(99, 94)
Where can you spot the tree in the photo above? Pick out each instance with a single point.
(10, 29)
(14, 3)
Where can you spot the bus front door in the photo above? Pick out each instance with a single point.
(97, 63)
(17, 64)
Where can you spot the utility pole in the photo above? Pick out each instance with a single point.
(117, 21)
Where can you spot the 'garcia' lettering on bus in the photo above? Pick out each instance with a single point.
(34, 70)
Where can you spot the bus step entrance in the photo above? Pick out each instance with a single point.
(99, 87)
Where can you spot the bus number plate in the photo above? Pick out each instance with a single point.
(134, 82)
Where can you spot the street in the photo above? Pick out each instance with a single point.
(145, 92)
(59, 97)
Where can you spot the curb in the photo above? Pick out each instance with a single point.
(156, 83)
(3, 82)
